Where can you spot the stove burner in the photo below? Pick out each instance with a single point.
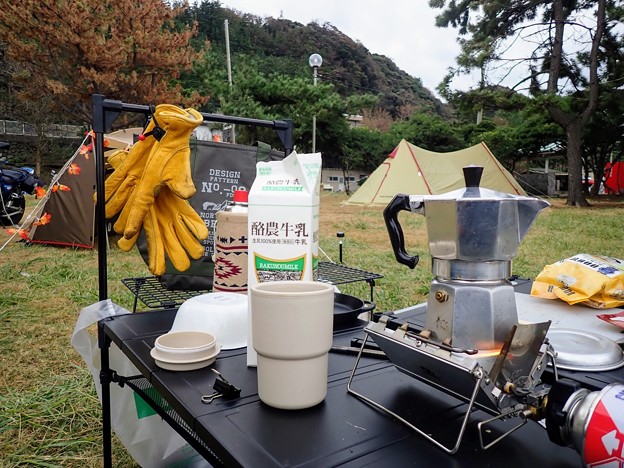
(506, 384)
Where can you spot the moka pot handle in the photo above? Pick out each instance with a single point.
(399, 203)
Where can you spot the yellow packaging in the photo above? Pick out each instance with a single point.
(593, 280)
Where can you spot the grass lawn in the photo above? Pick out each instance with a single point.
(49, 413)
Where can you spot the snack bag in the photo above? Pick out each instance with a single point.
(593, 280)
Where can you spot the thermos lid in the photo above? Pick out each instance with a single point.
(241, 196)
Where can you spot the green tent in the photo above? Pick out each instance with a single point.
(415, 171)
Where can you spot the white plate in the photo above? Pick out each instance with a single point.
(580, 350)
(183, 365)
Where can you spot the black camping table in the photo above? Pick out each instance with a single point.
(340, 431)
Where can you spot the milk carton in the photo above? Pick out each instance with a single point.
(283, 224)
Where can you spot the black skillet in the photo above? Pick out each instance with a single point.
(347, 308)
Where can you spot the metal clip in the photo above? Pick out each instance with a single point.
(207, 399)
(222, 388)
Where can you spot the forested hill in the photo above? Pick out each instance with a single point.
(283, 46)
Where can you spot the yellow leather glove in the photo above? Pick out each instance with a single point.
(129, 166)
(172, 227)
(168, 165)
(117, 158)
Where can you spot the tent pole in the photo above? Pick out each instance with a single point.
(100, 214)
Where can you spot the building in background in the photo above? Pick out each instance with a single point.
(334, 180)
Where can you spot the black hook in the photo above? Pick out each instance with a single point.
(158, 132)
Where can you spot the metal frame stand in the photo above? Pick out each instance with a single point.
(479, 376)
(104, 113)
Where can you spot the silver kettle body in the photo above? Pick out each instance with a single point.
(474, 234)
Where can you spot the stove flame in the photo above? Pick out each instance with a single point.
(486, 353)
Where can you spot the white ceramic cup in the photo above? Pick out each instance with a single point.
(292, 332)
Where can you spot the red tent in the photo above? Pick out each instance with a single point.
(614, 178)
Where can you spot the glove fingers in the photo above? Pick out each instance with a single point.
(120, 198)
(140, 204)
(155, 247)
(128, 165)
(129, 168)
(173, 248)
(194, 224)
(188, 241)
(127, 244)
(117, 158)
(189, 217)
(112, 185)
(120, 224)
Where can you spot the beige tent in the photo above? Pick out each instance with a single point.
(124, 138)
(415, 171)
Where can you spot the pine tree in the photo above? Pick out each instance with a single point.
(124, 49)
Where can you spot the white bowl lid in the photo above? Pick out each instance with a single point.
(183, 365)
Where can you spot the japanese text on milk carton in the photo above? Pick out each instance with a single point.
(284, 222)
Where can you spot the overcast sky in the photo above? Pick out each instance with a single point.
(403, 30)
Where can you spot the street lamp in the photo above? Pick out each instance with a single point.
(315, 62)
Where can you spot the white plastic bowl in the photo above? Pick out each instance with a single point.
(186, 345)
(222, 314)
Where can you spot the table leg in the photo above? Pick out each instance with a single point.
(371, 283)
(104, 343)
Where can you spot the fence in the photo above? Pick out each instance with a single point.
(12, 127)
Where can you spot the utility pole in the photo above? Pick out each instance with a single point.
(315, 62)
(229, 67)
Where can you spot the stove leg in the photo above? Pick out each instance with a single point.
(478, 375)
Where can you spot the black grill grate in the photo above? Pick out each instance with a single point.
(154, 295)
(336, 273)
(150, 291)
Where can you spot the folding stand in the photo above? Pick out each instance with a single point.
(104, 113)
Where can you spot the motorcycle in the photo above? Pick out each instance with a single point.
(15, 183)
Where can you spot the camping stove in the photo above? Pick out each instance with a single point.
(472, 345)
(505, 382)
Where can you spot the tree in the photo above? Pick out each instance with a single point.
(366, 148)
(278, 96)
(565, 80)
(125, 49)
(515, 135)
(603, 140)
(377, 119)
(430, 132)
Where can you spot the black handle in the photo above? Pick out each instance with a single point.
(400, 202)
(368, 306)
(472, 175)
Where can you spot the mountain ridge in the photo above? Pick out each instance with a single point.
(347, 64)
